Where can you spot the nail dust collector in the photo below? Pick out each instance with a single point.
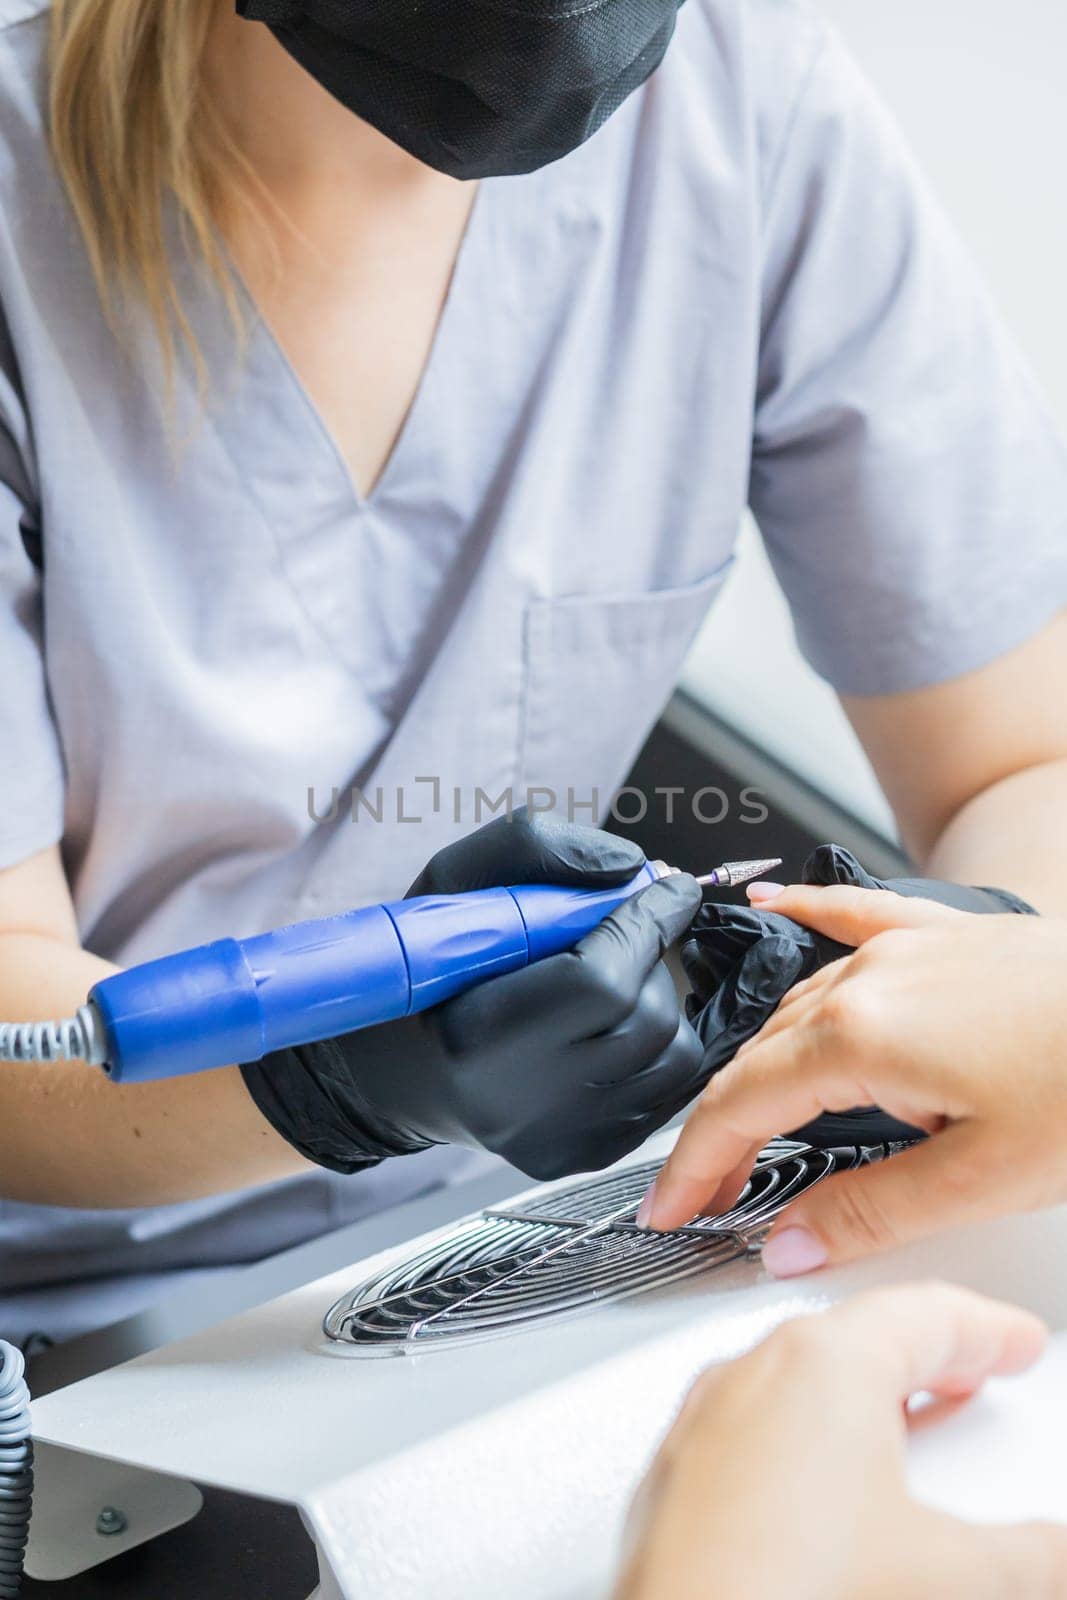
(467, 1416)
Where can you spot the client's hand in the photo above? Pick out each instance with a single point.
(953, 1023)
(784, 1474)
(742, 960)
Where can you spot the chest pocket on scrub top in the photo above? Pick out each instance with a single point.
(599, 669)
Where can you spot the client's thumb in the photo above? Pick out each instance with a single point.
(934, 1185)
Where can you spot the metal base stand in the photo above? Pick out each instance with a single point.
(86, 1510)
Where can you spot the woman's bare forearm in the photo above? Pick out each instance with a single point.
(69, 1137)
(1011, 836)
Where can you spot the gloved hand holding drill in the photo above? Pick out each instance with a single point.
(563, 1066)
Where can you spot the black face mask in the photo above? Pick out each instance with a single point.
(476, 88)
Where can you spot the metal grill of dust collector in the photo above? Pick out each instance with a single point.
(562, 1250)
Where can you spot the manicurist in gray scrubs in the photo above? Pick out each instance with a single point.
(381, 388)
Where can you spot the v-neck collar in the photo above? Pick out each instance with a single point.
(525, 239)
(269, 352)
(328, 535)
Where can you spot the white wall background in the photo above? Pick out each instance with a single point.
(980, 88)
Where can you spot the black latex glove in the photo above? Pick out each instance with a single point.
(741, 962)
(562, 1067)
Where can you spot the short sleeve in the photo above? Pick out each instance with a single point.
(31, 802)
(906, 475)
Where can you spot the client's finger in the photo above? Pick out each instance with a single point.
(778, 1082)
(936, 1185)
(730, 1189)
(852, 916)
(744, 1106)
(935, 1338)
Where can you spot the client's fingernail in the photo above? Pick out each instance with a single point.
(644, 1210)
(792, 1252)
(765, 891)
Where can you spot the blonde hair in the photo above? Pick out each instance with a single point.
(133, 130)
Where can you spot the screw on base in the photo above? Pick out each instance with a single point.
(111, 1521)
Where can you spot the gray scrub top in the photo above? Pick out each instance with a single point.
(738, 291)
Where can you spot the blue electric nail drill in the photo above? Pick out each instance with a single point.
(236, 1000)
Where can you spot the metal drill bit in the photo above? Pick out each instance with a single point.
(731, 873)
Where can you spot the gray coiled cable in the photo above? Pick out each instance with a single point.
(16, 1469)
(77, 1038)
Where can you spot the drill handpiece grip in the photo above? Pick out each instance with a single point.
(239, 1000)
